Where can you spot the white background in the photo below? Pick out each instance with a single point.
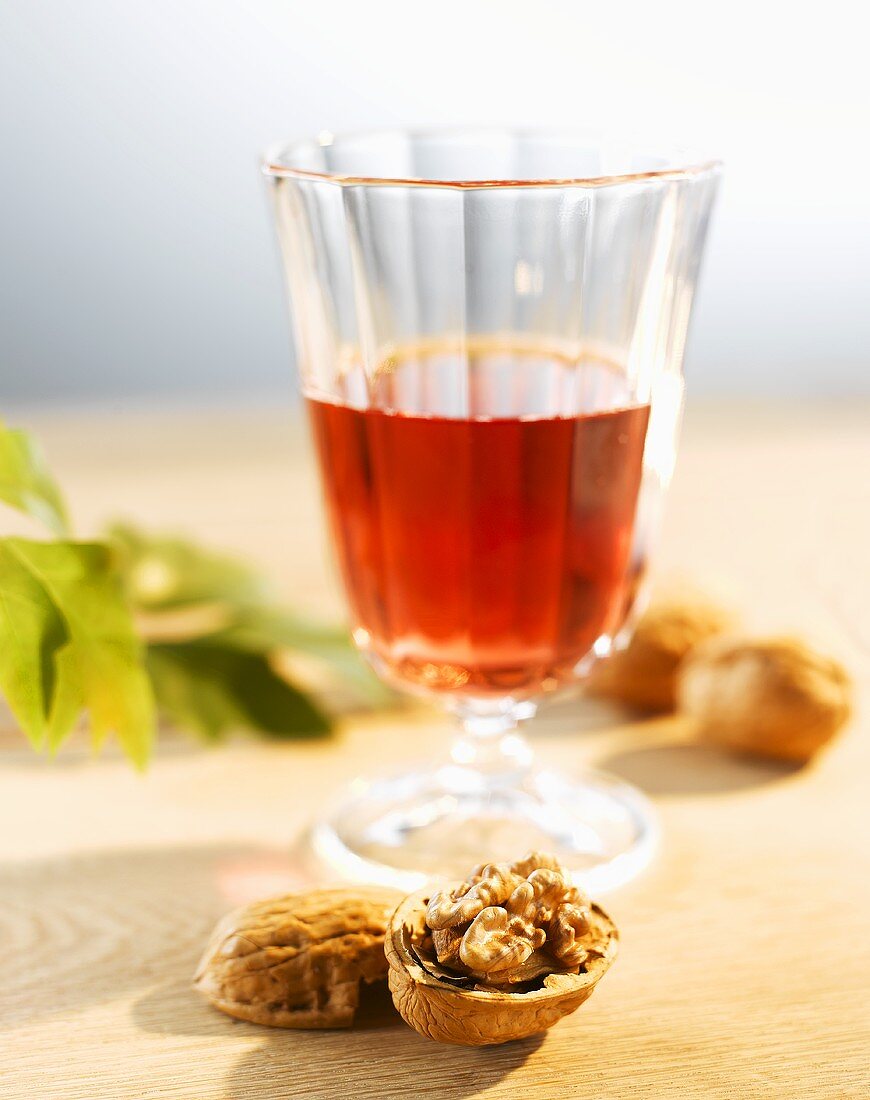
(137, 257)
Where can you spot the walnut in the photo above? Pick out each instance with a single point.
(769, 697)
(488, 884)
(564, 933)
(536, 861)
(512, 968)
(447, 943)
(498, 940)
(298, 960)
(644, 674)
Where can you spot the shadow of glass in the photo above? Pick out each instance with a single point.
(679, 769)
(108, 924)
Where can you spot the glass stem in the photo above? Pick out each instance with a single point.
(490, 749)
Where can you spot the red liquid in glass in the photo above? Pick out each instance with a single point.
(482, 556)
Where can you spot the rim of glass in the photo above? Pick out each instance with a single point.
(684, 164)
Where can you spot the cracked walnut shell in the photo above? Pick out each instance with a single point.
(512, 969)
(768, 697)
(298, 960)
(644, 674)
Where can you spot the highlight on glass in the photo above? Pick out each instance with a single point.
(490, 327)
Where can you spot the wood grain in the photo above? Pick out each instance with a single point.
(745, 961)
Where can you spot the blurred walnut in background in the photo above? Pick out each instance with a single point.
(644, 674)
(769, 697)
(775, 697)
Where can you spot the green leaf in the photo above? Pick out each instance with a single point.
(164, 573)
(263, 628)
(271, 628)
(172, 574)
(25, 481)
(214, 689)
(65, 611)
(69, 698)
(32, 631)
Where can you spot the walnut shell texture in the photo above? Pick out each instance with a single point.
(767, 697)
(482, 1017)
(298, 960)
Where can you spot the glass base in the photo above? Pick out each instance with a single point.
(406, 830)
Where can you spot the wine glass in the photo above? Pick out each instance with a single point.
(490, 328)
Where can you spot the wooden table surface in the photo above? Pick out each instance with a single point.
(745, 961)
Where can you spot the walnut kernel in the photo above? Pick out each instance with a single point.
(488, 884)
(505, 912)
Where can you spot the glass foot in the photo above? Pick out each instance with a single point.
(406, 830)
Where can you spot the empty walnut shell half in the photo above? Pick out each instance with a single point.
(298, 960)
(444, 1008)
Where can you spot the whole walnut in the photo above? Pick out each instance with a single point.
(298, 960)
(644, 674)
(773, 697)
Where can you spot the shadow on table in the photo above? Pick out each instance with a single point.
(365, 1061)
(104, 925)
(394, 1063)
(175, 1008)
(580, 714)
(680, 768)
